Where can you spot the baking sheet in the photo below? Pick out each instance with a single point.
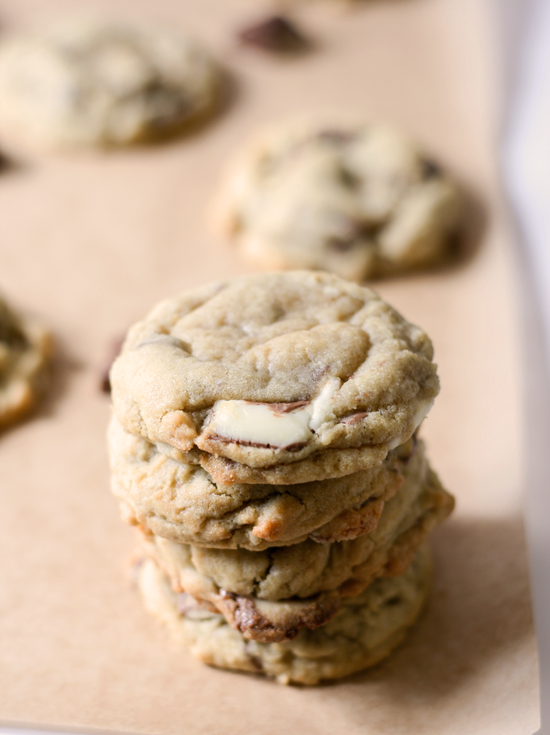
(92, 242)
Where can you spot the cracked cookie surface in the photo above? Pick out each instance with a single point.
(25, 355)
(269, 596)
(181, 502)
(355, 199)
(365, 630)
(277, 369)
(90, 83)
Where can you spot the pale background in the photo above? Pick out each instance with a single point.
(92, 242)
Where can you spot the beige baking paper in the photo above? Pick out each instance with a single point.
(90, 243)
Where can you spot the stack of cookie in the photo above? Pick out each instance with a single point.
(264, 441)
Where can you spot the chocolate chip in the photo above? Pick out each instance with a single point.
(114, 351)
(276, 34)
(430, 169)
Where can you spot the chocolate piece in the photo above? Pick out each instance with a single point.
(287, 407)
(243, 614)
(276, 34)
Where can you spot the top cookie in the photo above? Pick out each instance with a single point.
(273, 369)
(25, 351)
(83, 83)
(355, 199)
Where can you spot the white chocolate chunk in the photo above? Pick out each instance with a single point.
(320, 409)
(266, 424)
(273, 425)
(258, 423)
(421, 413)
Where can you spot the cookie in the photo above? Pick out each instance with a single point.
(358, 200)
(277, 369)
(91, 83)
(183, 503)
(364, 631)
(269, 596)
(25, 354)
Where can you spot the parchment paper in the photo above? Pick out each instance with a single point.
(92, 242)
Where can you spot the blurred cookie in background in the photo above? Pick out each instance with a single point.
(25, 359)
(356, 199)
(93, 83)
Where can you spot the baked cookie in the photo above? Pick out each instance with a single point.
(276, 370)
(181, 502)
(25, 352)
(269, 596)
(355, 199)
(363, 632)
(87, 83)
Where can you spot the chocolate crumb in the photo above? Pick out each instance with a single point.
(277, 34)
